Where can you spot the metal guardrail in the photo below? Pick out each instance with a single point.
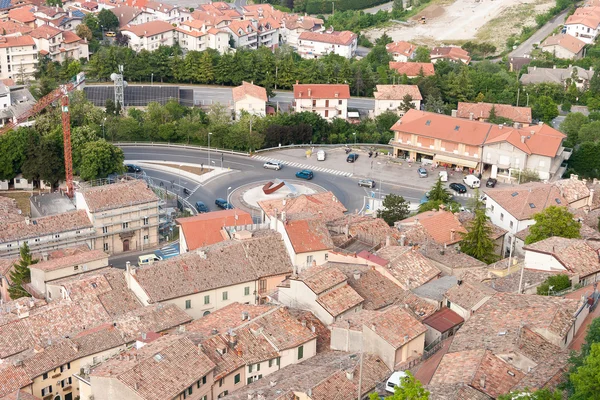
(289, 146)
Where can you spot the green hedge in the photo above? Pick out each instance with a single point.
(325, 6)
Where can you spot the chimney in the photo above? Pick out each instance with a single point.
(482, 381)
(272, 383)
(591, 198)
(143, 335)
(313, 329)
(309, 92)
(516, 125)
(136, 386)
(541, 123)
(283, 215)
(452, 234)
(470, 116)
(532, 132)
(387, 241)
(374, 327)
(245, 315)
(27, 221)
(356, 275)
(402, 240)
(250, 395)
(522, 139)
(303, 322)
(215, 331)
(350, 374)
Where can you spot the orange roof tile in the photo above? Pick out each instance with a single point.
(340, 300)
(443, 320)
(451, 53)
(397, 92)
(11, 27)
(400, 47)
(527, 199)
(205, 229)
(22, 14)
(149, 28)
(70, 37)
(308, 235)
(537, 139)
(569, 42)
(241, 28)
(321, 91)
(18, 41)
(321, 205)
(482, 111)
(397, 326)
(45, 32)
(344, 38)
(412, 68)
(249, 89)
(439, 225)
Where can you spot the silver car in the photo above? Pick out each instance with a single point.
(273, 165)
(370, 183)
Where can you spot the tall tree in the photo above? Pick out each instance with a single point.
(100, 159)
(545, 109)
(21, 274)
(438, 192)
(585, 379)
(395, 208)
(571, 126)
(553, 221)
(84, 32)
(477, 242)
(422, 54)
(407, 103)
(434, 104)
(108, 19)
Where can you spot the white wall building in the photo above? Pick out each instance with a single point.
(249, 98)
(329, 101)
(318, 44)
(150, 35)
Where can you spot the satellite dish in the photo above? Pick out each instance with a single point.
(113, 76)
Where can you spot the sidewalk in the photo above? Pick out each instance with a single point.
(579, 338)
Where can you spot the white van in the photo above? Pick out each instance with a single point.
(444, 176)
(394, 381)
(148, 259)
(471, 181)
(321, 155)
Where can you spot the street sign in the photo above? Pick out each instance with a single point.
(372, 194)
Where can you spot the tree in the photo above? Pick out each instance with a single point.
(542, 394)
(545, 109)
(477, 241)
(438, 192)
(395, 208)
(109, 106)
(553, 221)
(84, 32)
(100, 159)
(398, 5)
(423, 55)
(107, 19)
(409, 389)
(407, 103)
(571, 126)
(557, 282)
(21, 273)
(589, 132)
(585, 379)
(434, 104)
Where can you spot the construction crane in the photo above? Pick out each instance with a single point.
(61, 93)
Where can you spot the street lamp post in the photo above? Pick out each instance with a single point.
(209, 134)
(354, 133)
(228, 189)
(103, 121)
(152, 78)
(180, 165)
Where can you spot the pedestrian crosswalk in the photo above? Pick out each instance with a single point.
(462, 195)
(305, 166)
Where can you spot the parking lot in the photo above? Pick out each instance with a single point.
(385, 169)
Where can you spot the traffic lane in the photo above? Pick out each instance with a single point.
(179, 154)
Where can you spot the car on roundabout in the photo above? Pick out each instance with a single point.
(305, 174)
(370, 183)
(273, 165)
(222, 203)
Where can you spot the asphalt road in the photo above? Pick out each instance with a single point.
(526, 47)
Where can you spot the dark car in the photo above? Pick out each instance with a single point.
(305, 174)
(491, 182)
(132, 169)
(222, 203)
(352, 157)
(458, 187)
(201, 207)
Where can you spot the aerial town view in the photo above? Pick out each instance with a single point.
(299, 199)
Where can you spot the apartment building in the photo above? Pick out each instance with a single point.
(563, 45)
(243, 33)
(59, 45)
(18, 58)
(193, 39)
(391, 98)
(329, 101)
(124, 215)
(150, 35)
(319, 44)
(584, 24)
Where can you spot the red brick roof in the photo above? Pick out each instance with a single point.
(16, 41)
(412, 68)
(537, 139)
(397, 92)
(321, 91)
(439, 225)
(70, 261)
(70, 37)
(339, 300)
(443, 320)
(205, 229)
(343, 38)
(396, 326)
(321, 278)
(45, 32)
(22, 14)
(117, 195)
(451, 53)
(149, 28)
(566, 41)
(518, 200)
(249, 89)
(400, 47)
(12, 379)
(308, 235)
(482, 111)
(410, 268)
(321, 205)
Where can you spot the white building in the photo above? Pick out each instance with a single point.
(329, 101)
(18, 58)
(390, 98)
(150, 35)
(197, 40)
(249, 98)
(58, 44)
(292, 26)
(564, 46)
(401, 51)
(244, 34)
(584, 24)
(318, 44)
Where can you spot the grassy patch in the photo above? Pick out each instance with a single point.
(22, 199)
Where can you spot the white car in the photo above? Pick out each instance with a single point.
(273, 165)
(321, 155)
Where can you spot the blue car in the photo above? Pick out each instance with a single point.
(305, 174)
(222, 203)
(201, 207)
(132, 169)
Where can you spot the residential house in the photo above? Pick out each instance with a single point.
(15, 101)
(412, 69)
(23, 15)
(401, 51)
(354, 233)
(59, 45)
(319, 44)
(579, 193)
(561, 76)
(405, 266)
(210, 278)
(481, 112)
(209, 228)
(441, 225)
(329, 101)
(243, 34)
(451, 54)
(394, 335)
(467, 297)
(14, 28)
(249, 98)
(324, 290)
(163, 12)
(268, 32)
(292, 26)
(307, 241)
(563, 45)
(140, 373)
(18, 57)
(584, 24)
(198, 40)
(577, 258)
(433, 292)
(128, 15)
(442, 324)
(149, 35)
(318, 377)
(45, 234)
(391, 98)
(323, 205)
(124, 214)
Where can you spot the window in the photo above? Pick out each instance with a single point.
(309, 259)
(492, 208)
(189, 391)
(300, 352)
(250, 367)
(221, 381)
(188, 304)
(448, 303)
(105, 246)
(45, 376)
(271, 363)
(511, 224)
(278, 358)
(66, 382)
(501, 216)
(249, 381)
(236, 379)
(77, 232)
(247, 291)
(145, 220)
(207, 299)
(105, 229)
(201, 381)
(258, 367)
(225, 296)
(340, 102)
(314, 103)
(56, 236)
(75, 268)
(125, 225)
(326, 256)
(46, 390)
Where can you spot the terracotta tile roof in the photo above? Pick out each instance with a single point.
(226, 362)
(577, 256)
(404, 48)
(281, 329)
(340, 300)
(397, 92)
(69, 261)
(308, 235)
(411, 69)
(459, 391)
(356, 321)
(70, 37)
(469, 295)
(305, 22)
(9, 212)
(370, 257)
(12, 27)
(6, 266)
(497, 324)
(21, 395)
(343, 38)
(321, 91)
(117, 195)
(226, 263)
(249, 89)
(589, 20)
(22, 14)
(518, 200)
(397, 326)
(16, 41)
(145, 374)
(450, 53)
(322, 205)
(12, 379)
(148, 29)
(321, 278)
(371, 230)
(227, 317)
(568, 42)
(45, 32)
(157, 318)
(482, 111)
(439, 126)
(125, 14)
(205, 229)
(410, 268)
(510, 283)
(241, 28)
(537, 139)
(450, 257)
(322, 330)
(443, 226)
(554, 75)
(254, 347)
(572, 189)
(443, 320)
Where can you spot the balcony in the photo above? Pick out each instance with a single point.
(565, 153)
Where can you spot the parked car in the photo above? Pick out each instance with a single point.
(222, 203)
(201, 207)
(321, 155)
(472, 181)
(305, 174)
(370, 183)
(422, 172)
(111, 34)
(273, 165)
(352, 157)
(458, 187)
(443, 176)
(132, 169)
(491, 182)
(395, 380)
